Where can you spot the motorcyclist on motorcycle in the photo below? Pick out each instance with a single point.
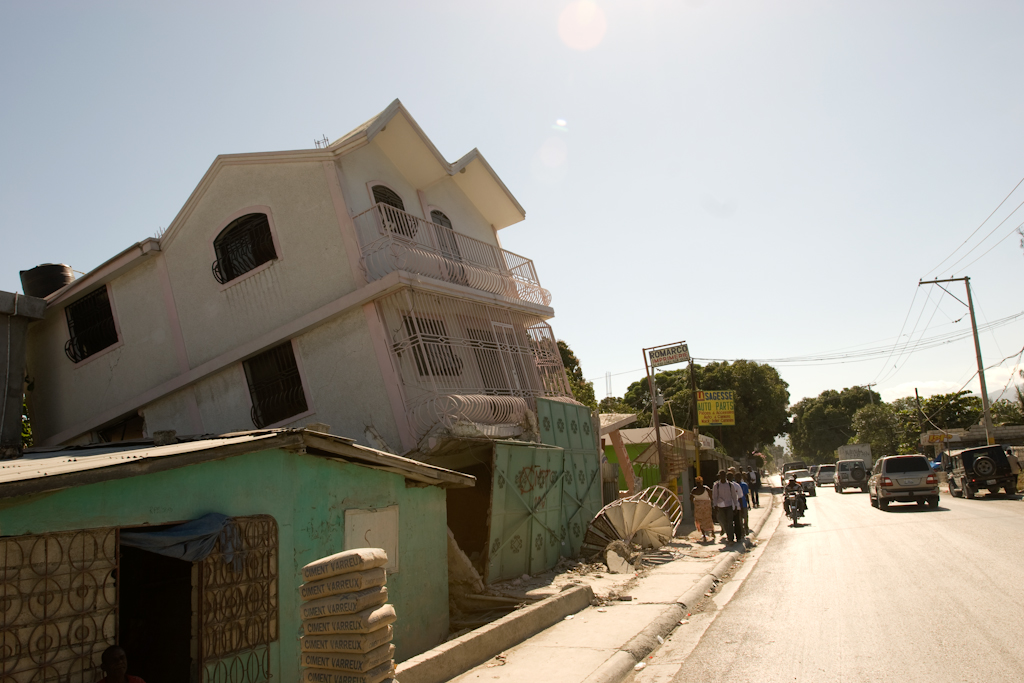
(794, 487)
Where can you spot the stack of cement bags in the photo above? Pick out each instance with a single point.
(346, 620)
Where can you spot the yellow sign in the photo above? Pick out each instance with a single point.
(715, 409)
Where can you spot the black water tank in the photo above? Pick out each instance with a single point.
(46, 279)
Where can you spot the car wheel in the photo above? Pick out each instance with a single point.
(1011, 490)
(872, 500)
(968, 491)
(814, 492)
(952, 489)
(863, 489)
(922, 503)
(839, 489)
(985, 467)
(883, 504)
(935, 502)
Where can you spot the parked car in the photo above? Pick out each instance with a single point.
(803, 477)
(974, 469)
(903, 479)
(850, 474)
(825, 475)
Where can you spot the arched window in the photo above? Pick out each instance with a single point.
(243, 245)
(385, 195)
(446, 240)
(398, 221)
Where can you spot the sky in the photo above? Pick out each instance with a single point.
(764, 180)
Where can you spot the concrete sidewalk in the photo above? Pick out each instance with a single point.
(602, 643)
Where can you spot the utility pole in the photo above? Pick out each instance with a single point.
(987, 411)
(655, 419)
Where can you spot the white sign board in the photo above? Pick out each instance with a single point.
(669, 355)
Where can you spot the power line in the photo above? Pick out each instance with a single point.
(985, 238)
(979, 226)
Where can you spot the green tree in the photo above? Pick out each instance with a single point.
(26, 426)
(1007, 412)
(582, 390)
(762, 397)
(613, 404)
(824, 423)
(958, 410)
(908, 425)
(877, 424)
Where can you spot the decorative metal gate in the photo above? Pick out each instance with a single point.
(237, 606)
(525, 510)
(58, 605)
(568, 426)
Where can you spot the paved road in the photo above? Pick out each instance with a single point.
(857, 594)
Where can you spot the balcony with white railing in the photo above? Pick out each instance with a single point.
(391, 240)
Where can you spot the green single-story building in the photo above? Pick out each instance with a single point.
(71, 582)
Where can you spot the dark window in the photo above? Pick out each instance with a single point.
(275, 386)
(385, 195)
(431, 348)
(90, 324)
(913, 463)
(446, 240)
(242, 246)
(391, 210)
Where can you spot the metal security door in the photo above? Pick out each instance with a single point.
(58, 605)
(237, 606)
(568, 425)
(525, 511)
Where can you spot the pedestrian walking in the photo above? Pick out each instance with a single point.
(700, 502)
(724, 499)
(755, 486)
(737, 515)
(745, 503)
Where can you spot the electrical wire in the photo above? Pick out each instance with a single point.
(987, 218)
(954, 264)
(900, 335)
(1011, 234)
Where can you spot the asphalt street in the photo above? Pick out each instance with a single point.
(857, 594)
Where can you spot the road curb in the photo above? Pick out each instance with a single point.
(621, 664)
(458, 656)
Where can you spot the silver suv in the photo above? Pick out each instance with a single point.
(850, 474)
(903, 479)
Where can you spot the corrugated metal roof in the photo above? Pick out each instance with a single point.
(34, 465)
(51, 469)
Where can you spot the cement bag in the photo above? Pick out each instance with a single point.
(348, 642)
(379, 673)
(345, 603)
(361, 622)
(343, 583)
(357, 560)
(349, 661)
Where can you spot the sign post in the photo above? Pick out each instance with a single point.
(656, 357)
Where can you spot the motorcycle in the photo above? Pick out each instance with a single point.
(794, 505)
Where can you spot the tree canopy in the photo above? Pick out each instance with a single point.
(582, 390)
(762, 397)
(824, 423)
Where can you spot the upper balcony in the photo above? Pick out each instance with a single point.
(391, 239)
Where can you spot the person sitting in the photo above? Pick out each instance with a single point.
(114, 663)
(793, 486)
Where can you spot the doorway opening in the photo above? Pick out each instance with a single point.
(155, 624)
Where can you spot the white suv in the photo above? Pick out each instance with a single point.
(851, 474)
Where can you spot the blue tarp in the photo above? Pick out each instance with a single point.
(192, 541)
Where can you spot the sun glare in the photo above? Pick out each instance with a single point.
(582, 25)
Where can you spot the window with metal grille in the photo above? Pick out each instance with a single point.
(243, 246)
(431, 347)
(90, 325)
(391, 210)
(275, 386)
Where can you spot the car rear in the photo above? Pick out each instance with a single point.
(825, 474)
(906, 479)
(850, 474)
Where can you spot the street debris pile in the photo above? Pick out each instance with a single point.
(346, 621)
(648, 519)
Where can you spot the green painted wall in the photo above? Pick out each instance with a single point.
(308, 496)
(646, 475)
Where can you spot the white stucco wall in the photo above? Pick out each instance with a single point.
(312, 268)
(341, 376)
(65, 394)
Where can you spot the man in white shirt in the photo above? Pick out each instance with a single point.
(726, 499)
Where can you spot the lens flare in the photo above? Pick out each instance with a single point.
(560, 124)
(582, 25)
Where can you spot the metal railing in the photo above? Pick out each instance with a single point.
(391, 239)
(461, 360)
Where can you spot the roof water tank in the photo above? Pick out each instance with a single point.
(46, 279)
